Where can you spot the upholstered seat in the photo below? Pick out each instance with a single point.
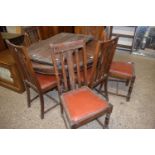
(122, 69)
(46, 82)
(79, 104)
(99, 71)
(40, 83)
(82, 103)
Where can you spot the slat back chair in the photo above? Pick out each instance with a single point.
(39, 83)
(24, 64)
(102, 60)
(101, 64)
(31, 35)
(71, 56)
(79, 104)
(96, 31)
(121, 71)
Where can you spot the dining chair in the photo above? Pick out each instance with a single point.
(31, 35)
(98, 70)
(40, 83)
(121, 71)
(102, 59)
(96, 31)
(79, 104)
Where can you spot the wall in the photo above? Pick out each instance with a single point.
(13, 29)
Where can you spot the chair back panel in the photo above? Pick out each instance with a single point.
(23, 61)
(69, 59)
(32, 35)
(102, 60)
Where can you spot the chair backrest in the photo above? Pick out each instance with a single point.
(24, 64)
(102, 60)
(69, 59)
(108, 32)
(96, 31)
(31, 35)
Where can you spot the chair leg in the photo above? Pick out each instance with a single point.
(28, 95)
(65, 121)
(63, 117)
(130, 88)
(61, 108)
(127, 82)
(117, 85)
(105, 83)
(42, 105)
(107, 118)
(106, 89)
(100, 88)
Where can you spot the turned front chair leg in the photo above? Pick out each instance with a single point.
(130, 88)
(100, 88)
(127, 82)
(105, 83)
(117, 87)
(42, 105)
(61, 109)
(28, 95)
(106, 89)
(107, 118)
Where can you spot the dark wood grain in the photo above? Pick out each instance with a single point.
(103, 57)
(66, 55)
(31, 35)
(30, 78)
(7, 62)
(102, 60)
(68, 70)
(40, 51)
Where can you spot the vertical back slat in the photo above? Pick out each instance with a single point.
(102, 60)
(71, 51)
(32, 34)
(78, 66)
(100, 66)
(71, 72)
(56, 70)
(62, 58)
(85, 64)
(94, 67)
(20, 54)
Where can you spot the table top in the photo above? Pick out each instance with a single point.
(40, 52)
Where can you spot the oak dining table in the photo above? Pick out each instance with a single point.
(40, 52)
